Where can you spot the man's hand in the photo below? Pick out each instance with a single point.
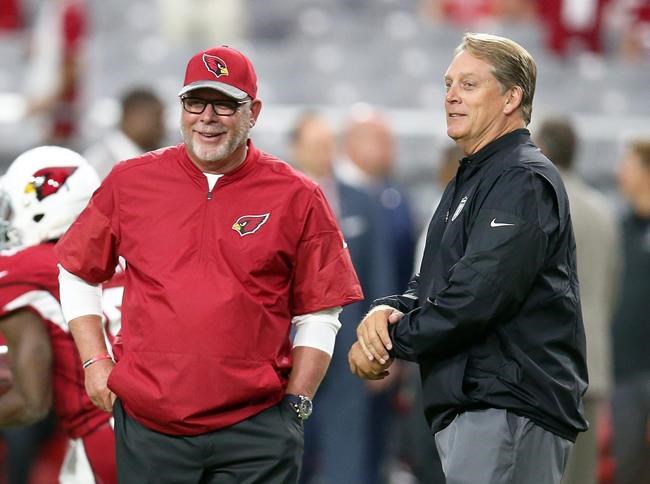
(96, 384)
(372, 332)
(89, 337)
(364, 368)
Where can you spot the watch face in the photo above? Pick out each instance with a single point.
(301, 404)
(305, 407)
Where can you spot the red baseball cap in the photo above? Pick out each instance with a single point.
(222, 68)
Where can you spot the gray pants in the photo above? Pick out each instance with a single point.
(495, 446)
(264, 449)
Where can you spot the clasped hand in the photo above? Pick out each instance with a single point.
(368, 357)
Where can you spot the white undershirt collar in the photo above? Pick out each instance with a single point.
(212, 179)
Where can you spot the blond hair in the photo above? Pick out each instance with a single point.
(513, 65)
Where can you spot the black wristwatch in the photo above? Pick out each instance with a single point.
(301, 404)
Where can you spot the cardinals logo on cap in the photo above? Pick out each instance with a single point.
(48, 181)
(215, 64)
(249, 224)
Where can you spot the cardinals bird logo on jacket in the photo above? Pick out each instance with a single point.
(249, 224)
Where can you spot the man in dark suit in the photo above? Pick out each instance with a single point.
(337, 438)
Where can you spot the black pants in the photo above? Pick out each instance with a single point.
(264, 449)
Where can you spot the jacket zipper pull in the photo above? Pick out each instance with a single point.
(210, 195)
(447, 216)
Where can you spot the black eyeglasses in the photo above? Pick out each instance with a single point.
(221, 107)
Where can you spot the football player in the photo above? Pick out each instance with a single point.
(45, 189)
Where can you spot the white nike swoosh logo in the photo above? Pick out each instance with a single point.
(3, 273)
(494, 223)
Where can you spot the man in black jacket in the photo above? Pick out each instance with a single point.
(493, 318)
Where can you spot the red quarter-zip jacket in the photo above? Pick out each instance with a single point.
(213, 279)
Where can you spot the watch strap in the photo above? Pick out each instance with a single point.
(301, 404)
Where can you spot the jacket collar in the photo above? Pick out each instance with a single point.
(252, 155)
(512, 138)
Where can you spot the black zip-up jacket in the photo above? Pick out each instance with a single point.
(494, 318)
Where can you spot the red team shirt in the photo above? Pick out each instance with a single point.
(30, 281)
(212, 282)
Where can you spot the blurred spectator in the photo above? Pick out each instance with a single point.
(141, 128)
(635, 36)
(463, 12)
(569, 21)
(368, 163)
(200, 23)
(631, 328)
(468, 13)
(599, 263)
(55, 68)
(337, 435)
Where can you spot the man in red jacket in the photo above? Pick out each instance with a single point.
(225, 247)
